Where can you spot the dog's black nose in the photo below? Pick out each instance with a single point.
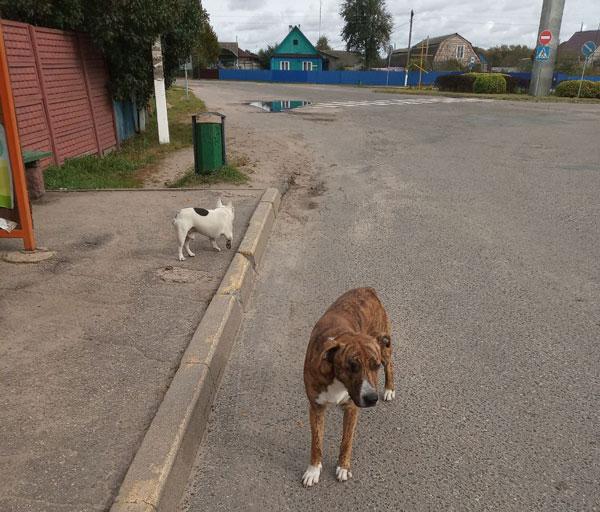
(370, 399)
(228, 244)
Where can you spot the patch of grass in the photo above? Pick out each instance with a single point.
(226, 174)
(124, 167)
(112, 171)
(508, 97)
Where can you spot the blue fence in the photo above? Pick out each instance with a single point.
(331, 77)
(359, 77)
(126, 119)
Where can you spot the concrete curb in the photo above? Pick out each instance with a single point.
(158, 474)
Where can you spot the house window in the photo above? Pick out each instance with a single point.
(284, 65)
(460, 52)
(307, 66)
(295, 42)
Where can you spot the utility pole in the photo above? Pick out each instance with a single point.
(545, 58)
(159, 93)
(412, 15)
(320, 2)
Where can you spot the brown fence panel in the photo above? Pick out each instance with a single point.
(102, 105)
(206, 74)
(59, 84)
(66, 95)
(27, 92)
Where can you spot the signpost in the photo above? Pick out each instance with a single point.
(546, 44)
(542, 53)
(545, 37)
(587, 49)
(186, 66)
(12, 169)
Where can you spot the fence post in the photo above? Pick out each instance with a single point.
(40, 73)
(88, 91)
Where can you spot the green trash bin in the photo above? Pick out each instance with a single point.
(209, 141)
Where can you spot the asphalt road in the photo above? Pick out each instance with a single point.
(478, 223)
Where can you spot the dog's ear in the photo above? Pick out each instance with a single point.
(384, 341)
(330, 347)
(230, 205)
(219, 203)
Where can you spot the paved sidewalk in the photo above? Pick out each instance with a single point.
(91, 339)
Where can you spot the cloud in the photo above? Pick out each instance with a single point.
(485, 23)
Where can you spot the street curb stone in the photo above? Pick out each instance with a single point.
(239, 280)
(255, 241)
(158, 474)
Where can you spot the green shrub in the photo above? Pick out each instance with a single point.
(455, 83)
(489, 83)
(570, 88)
(515, 85)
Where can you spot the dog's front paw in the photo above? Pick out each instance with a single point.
(311, 475)
(342, 474)
(181, 258)
(388, 394)
(191, 254)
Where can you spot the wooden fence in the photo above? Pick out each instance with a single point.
(59, 84)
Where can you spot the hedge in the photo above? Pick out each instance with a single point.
(455, 83)
(570, 88)
(489, 83)
(516, 85)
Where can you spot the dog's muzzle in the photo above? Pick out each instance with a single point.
(368, 395)
(228, 244)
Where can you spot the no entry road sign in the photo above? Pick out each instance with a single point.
(588, 48)
(545, 37)
(542, 53)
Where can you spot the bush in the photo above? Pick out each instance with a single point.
(516, 85)
(489, 83)
(570, 88)
(455, 83)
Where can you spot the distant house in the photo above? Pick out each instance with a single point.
(228, 55)
(248, 60)
(296, 53)
(572, 47)
(339, 59)
(437, 50)
(232, 56)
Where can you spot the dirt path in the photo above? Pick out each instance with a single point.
(170, 168)
(255, 144)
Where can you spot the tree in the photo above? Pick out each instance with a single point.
(206, 50)
(507, 56)
(367, 27)
(67, 15)
(323, 44)
(264, 56)
(124, 32)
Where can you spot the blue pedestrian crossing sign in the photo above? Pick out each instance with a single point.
(588, 48)
(542, 53)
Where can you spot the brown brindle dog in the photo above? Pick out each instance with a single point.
(347, 347)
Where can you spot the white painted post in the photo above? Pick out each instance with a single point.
(160, 94)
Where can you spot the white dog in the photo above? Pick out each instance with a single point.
(210, 223)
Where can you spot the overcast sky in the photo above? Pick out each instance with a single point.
(484, 23)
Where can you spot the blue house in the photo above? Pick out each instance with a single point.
(296, 53)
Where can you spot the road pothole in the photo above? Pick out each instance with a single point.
(279, 105)
(171, 274)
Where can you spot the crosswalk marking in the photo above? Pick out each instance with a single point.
(392, 101)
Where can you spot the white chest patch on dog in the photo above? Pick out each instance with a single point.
(336, 393)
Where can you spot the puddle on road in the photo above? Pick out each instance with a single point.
(279, 105)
